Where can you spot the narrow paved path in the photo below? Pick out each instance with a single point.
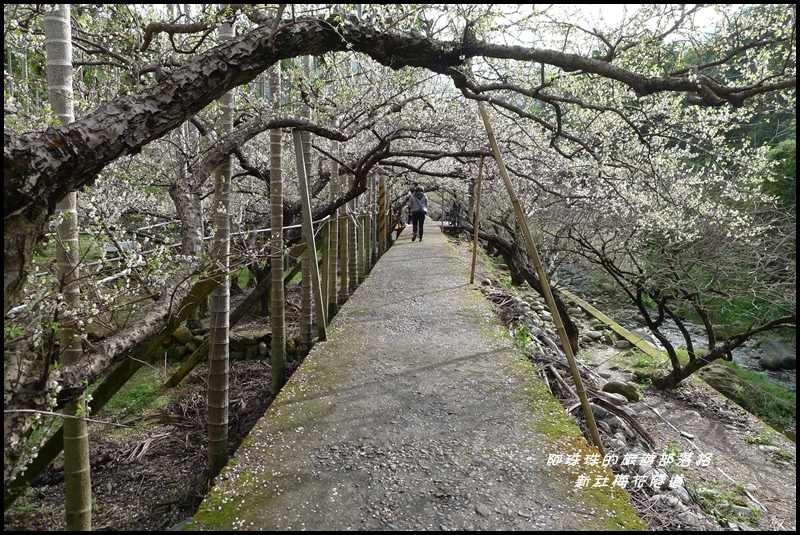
(417, 413)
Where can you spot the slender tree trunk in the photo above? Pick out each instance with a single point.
(77, 472)
(278, 298)
(344, 234)
(218, 361)
(187, 145)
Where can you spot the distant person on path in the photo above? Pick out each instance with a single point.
(408, 204)
(456, 212)
(418, 205)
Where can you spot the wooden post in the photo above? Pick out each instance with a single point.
(373, 223)
(326, 271)
(333, 242)
(344, 247)
(477, 220)
(362, 246)
(548, 294)
(352, 247)
(308, 231)
(382, 245)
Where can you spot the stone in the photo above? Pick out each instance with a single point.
(725, 381)
(608, 288)
(182, 335)
(628, 390)
(618, 445)
(744, 512)
(779, 356)
(598, 411)
(616, 399)
(682, 494)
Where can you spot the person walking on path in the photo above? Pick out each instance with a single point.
(418, 204)
(456, 213)
(408, 204)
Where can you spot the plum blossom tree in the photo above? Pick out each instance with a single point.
(617, 140)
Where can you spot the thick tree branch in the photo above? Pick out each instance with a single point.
(40, 168)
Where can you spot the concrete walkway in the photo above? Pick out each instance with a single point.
(418, 413)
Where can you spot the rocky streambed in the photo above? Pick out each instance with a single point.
(774, 359)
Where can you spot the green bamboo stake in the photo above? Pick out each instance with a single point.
(548, 294)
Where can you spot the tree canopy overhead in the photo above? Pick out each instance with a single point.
(641, 144)
(638, 59)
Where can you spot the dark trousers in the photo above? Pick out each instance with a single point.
(417, 222)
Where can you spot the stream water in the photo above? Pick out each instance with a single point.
(747, 356)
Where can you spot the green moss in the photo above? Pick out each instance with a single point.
(561, 436)
(769, 401)
(556, 430)
(142, 394)
(717, 501)
(221, 510)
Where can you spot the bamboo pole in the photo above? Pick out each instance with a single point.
(548, 294)
(361, 236)
(382, 217)
(373, 228)
(477, 220)
(308, 231)
(326, 271)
